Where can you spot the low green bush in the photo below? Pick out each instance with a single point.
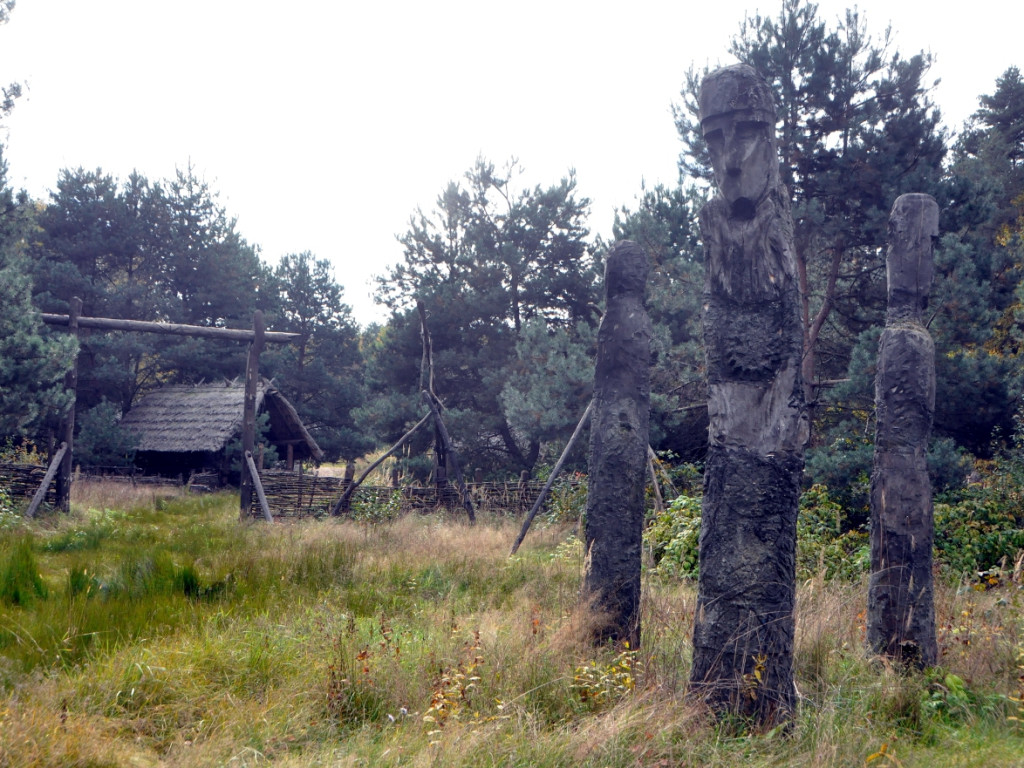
(672, 538)
(824, 541)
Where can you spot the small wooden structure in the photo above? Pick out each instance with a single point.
(184, 429)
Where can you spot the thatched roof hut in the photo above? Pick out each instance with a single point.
(186, 428)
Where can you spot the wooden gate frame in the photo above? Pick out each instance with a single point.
(256, 337)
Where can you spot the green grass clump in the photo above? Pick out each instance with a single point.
(165, 632)
(20, 582)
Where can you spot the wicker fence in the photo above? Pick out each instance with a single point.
(290, 494)
(23, 480)
(295, 495)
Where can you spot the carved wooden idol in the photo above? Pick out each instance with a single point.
(743, 630)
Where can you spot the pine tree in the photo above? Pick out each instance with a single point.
(32, 363)
(488, 262)
(857, 129)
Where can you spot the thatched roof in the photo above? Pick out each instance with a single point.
(205, 417)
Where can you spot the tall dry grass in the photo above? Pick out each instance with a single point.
(419, 642)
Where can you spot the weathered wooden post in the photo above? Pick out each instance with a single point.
(252, 377)
(71, 384)
(901, 609)
(744, 625)
(619, 437)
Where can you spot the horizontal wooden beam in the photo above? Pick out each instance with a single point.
(173, 329)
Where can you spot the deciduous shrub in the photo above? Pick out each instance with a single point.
(672, 538)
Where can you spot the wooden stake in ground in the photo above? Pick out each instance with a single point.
(551, 478)
(619, 440)
(901, 610)
(744, 625)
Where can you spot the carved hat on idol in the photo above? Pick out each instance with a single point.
(735, 89)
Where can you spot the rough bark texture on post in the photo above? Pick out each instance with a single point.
(901, 610)
(252, 373)
(619, 438)
(743, 629)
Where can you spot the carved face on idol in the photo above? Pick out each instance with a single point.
(742, 156)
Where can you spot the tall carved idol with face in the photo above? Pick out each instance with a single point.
(743, 632)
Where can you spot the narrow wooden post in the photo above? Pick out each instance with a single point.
(523, 478)
(258, 485)
(47, 479)
(71, 384)
(252, 376)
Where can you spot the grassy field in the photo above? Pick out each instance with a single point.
(158, 631)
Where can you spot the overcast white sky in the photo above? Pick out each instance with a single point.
(323, 125)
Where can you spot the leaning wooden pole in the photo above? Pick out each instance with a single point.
(252, 375)
(258, 485)
(551, 478)
(71, 384)
(453, 455)
(341, 504)
(659, 502)
(40, 495)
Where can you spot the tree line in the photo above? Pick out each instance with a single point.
(510, 278)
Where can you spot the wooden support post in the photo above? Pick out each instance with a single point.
(551, 479)
(453, 456)
(47, 479)
(71, 383)
(258, 484)
(252, 376)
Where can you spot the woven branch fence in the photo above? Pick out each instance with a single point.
(295, 495)
(290, 494)
(23, 480)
